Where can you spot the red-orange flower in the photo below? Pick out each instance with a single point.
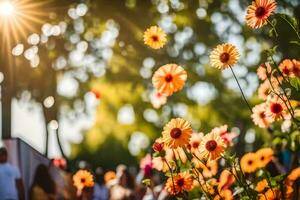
(260, 117)
(169, 78)
(286, 67)
(258, 12)
(179, 183)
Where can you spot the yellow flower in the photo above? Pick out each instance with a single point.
(264, 156)
(83, 178)
(169, 78)
(259, 11)
(211, 147)
(261, 185)
(179, 183)
(177, 133)
(155, 37)
(248, 163)
(224, 56)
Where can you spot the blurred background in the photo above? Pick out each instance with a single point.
(78, 77)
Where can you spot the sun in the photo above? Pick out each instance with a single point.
(18, 18)
(6, 8)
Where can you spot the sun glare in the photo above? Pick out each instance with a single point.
(6, 8)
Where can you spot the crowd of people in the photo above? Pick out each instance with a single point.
(55, 182)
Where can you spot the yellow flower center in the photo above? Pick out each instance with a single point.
(175, 133)
(224, 57)
(211, 145)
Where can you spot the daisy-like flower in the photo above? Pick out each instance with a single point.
(155, 37)
(211, 147)
(195, 143)
(224, 56)
(169, 78)
(177, 133)
(157, 99)
(264, 90)
(264, 156)
(259, 116)
(261, 186)
(258, 12)
(263, 71)
(296, 67)
(248, 163)
(180, 183)
(225, 134)
(286, 67)
(82, 179)
(276, 109)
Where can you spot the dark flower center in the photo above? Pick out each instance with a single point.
(262, 115)
(82, 180)
(180, 182)
(286, 71)
(195, 145)
(262, 158)
(224, 57)
(155, 38)
(211, 145)
(175, 133)
(250, 162)
(276, 108)
(260, 12)
(168, 78)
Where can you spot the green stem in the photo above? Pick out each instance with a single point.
(276, 34)
(291, 25)
(240, 89)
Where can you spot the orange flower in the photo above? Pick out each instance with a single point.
(155, 37)
(258, 13)
(276, 109)
(226, 180)
(271, 194)
(264, 156)
(224, 56)
(82, 179)
(108, 176)
(248, 163)
(262, 185)
(286, 67)
(212, 146)
(259, 116)
(177, 133)
(180, 182)
(289, 190)
(224, 195)
(296, 68)
(264, 90)
(169, 78)
(294, 175)
(264, 70)
(210, 169)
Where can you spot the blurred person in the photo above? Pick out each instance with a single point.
(86, 193)
(100, 190)
(43, 186)
(11, 184)
(123, 190)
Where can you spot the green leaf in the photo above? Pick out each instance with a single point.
(295, 42)
(295, 82)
